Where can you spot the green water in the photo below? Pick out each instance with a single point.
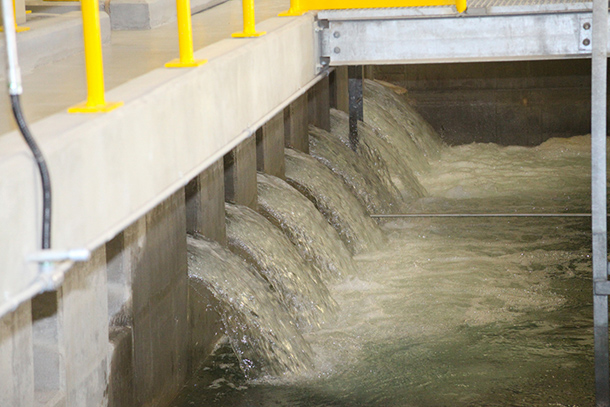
(454, 311)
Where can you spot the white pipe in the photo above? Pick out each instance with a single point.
(12, 63)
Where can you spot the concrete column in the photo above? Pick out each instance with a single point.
(270, 147)
(319, 104)
(339, 94)
(205, 204)
(240, 174)
(16, 360)
(156, 245)
(296, 124)
(82, 309)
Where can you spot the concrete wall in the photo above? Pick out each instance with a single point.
(520, 103)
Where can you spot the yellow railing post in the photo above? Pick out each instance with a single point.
(17, 28)
(249, 29)
(185, 38)
(295, 9)
(96, 101)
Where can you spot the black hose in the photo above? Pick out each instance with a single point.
(42, 168)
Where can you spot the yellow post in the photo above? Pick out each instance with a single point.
(96, 101)
(17, 28)
(249, 29)
(185, 38)
(460, 5)
(295, 9)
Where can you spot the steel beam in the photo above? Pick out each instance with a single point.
(450, 38)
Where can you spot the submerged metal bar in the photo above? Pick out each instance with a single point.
(483, 215)
(356, 102)
(598, 199)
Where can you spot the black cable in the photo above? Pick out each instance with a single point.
(42, 168)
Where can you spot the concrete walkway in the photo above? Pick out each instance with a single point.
(54, 87)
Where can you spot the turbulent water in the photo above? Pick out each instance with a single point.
(334, 200)
(454, 311)
(379, 156)
(259, 328)
(296, 283)
(377, 193)
(317, 241)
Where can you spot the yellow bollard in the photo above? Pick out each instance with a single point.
(17, 28)
(460, 5)
(185, 38)
(249, 29)
(96, 102)
(295, 9)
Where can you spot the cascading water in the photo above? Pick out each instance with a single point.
(317, 241)
(379, 156)
(296, 282)
(449, 311)
(260, 330)
(378, 194)
(334, 200)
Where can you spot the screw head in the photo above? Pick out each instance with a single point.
(337, 50)
(586, 26)
(336, 34)
(586, 42)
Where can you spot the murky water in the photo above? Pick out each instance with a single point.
(454, 311)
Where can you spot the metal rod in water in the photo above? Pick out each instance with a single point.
(484, 215)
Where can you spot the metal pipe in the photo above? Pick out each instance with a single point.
(12, 61)
(249, 21)
(598, 198)
(483, 215)
(185, 38)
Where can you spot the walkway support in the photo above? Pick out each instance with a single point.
(598, 200)
(249, 26)
(96, 101)
(185, 38)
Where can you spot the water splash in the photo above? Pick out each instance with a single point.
(259, 328)
(334, 200)
(400, 125)
(298, 218)
(377, 194)
(380, 156)
(297, 284)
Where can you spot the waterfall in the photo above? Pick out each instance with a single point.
(297, 284)
(259, 328)
(314, 238)
(334, 200)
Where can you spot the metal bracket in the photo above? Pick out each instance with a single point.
(585, 34)
(47, 259)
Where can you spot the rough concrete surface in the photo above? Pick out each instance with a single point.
(240, 174)
(270, 147)
(296, 125)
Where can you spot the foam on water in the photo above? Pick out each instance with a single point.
(314, 238)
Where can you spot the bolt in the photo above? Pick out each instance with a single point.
(586, 42)
(337, 50)
(336, 34)
(586, 25)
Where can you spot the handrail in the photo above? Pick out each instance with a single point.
(185, 38)
(298, 7)
(96, 101)
(249, 25)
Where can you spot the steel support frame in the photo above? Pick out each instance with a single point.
(598, 200)
(441, 38)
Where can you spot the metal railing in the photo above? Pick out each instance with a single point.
(298, 7)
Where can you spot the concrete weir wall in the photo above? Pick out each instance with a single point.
(125, 329)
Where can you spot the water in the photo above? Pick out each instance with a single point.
(453, 311)
(297, 284)
(379, 156)
(260, 330)
(314, 238)
(375, 191)
(334, 200)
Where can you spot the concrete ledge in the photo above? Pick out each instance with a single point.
(109, 170)
(51, 38)
(147, 14)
